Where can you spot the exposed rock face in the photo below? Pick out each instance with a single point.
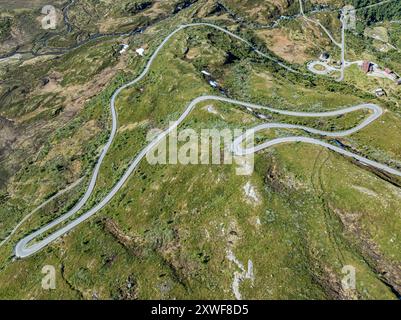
(389, 271)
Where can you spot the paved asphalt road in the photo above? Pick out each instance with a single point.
(70, 187)
(24, 248)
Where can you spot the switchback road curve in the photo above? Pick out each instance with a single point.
(24, 248)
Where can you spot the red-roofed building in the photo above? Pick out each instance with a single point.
(367, 66)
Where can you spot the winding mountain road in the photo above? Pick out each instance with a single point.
(341, 45)
(301, 10)
(58, 194)
(24, 248)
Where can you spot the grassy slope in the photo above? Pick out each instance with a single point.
(166, 234)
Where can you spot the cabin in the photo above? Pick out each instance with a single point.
(367, 66)
(325, 56)
(390, 74)
(379, 92)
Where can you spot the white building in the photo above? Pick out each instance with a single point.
(140, 51)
